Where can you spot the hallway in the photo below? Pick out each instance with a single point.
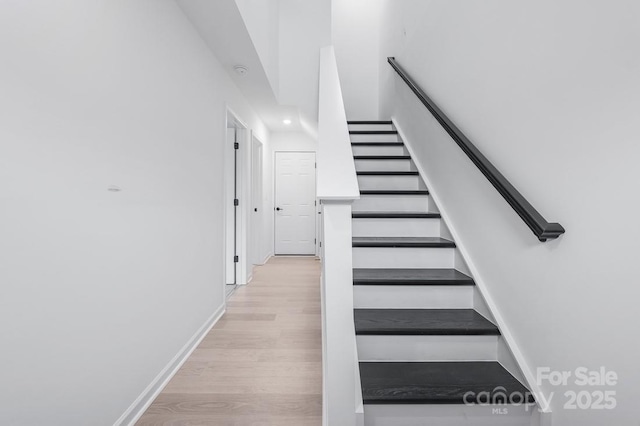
(261, 363)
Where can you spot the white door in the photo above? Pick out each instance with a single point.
(295, 224)
(256, 208)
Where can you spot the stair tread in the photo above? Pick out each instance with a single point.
(382, 157)
(409, 276)
(437, 382)
(395, 215)
(388, 173)
(423, 322)
(369, 122)
(435, 242)
(373, 132)
(394, 192)
(377, 143)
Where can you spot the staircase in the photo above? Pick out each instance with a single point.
(427, 355)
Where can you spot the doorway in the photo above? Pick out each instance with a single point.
(234, 188)
(295, 203)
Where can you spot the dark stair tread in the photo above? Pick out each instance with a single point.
(438, 382)
(394, 192)
(433, 322)
(382, 157)
(435, 242)
(388, 173)
(373, 132)
(369, 122)
(377, 143)
(395, 215)
(406, 276)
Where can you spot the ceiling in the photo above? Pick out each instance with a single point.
(222, 27)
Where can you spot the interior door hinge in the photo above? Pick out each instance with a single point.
(314, 241)
(236, 259)
(236, 145)
(236, 202)
(315, 165)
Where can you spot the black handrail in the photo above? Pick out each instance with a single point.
(534, 220)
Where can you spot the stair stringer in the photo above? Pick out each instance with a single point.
(509, 354)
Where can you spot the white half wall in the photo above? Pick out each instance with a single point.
(549, 92)
(100, 289)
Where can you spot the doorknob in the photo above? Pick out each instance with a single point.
(278, 209)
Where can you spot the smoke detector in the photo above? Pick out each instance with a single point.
(241, 70)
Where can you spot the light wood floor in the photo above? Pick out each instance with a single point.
(261, 363)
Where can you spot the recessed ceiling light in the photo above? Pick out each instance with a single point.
(286, 121)
(241, 70)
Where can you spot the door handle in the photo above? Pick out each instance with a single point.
(278, 209)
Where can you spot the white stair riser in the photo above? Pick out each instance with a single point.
(383, 165)
(427, 348)
(382, 142)
(413, 296)
(378, 150)
(373, 137)
(403, 257)
(371, 127)
(447, 415)
(396, 227)
(391, 203)
(389, 182)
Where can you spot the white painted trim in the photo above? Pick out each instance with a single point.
(480, 283)
(340, 199)
(266, 259)
(339, 353)
(358, 389)
(144, 400)
(336, 169)
(243, 193)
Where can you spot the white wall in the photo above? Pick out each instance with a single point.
(292, 141)
(101, 289)
(262, 19)
(355, 37)
(305, 27)
(549, 92)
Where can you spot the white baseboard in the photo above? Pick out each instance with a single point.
(140, 405)
(266, 259)
(545, 409)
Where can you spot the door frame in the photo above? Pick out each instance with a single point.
(241, 182)
(275, 192)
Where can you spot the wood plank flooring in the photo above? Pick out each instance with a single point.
(260, 365)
